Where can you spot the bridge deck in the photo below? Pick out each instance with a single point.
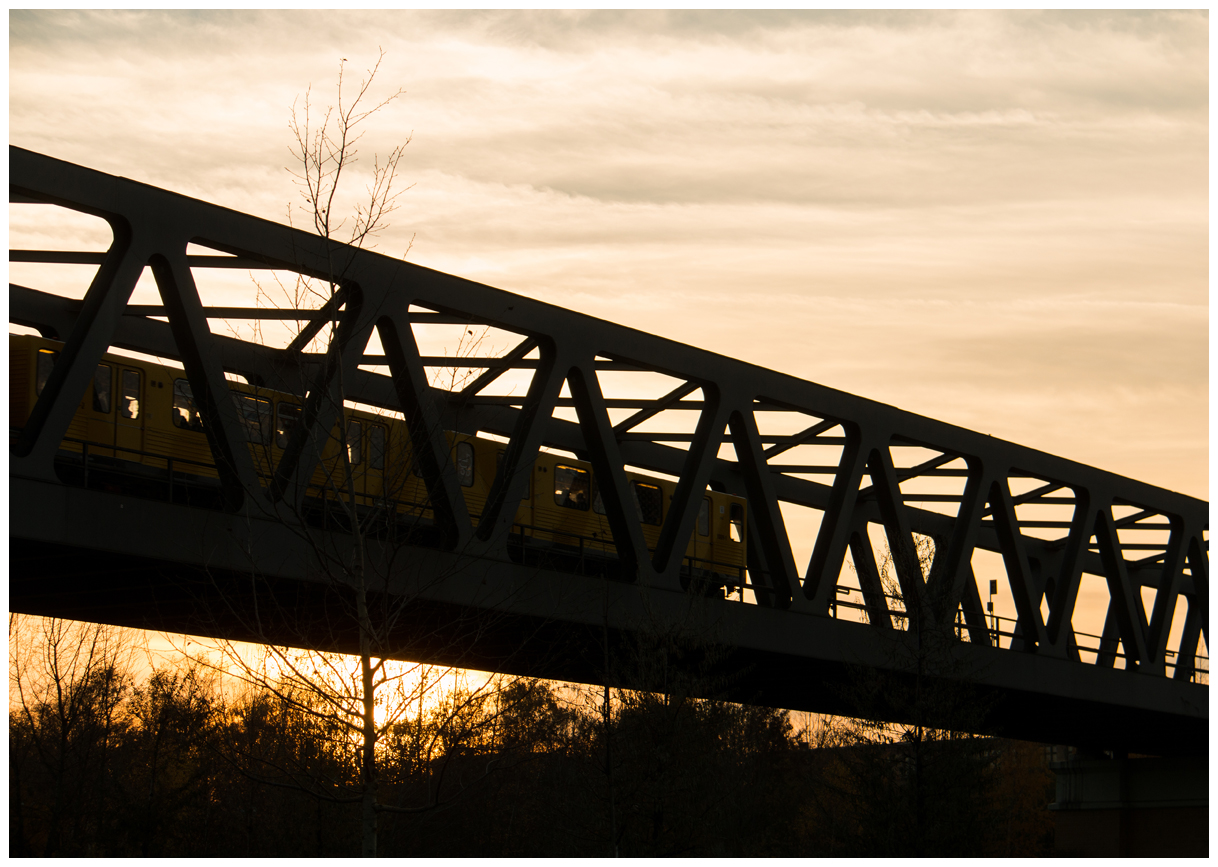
(111, 558)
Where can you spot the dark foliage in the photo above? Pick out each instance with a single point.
(105, 766)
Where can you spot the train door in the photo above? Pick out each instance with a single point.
(465, 461)
(129, 424)
(356, 457)
(99, 412)
(287, 416)
(703, 550)
(649, 506)
(573, 496)
(79, 429)
(255, 415)
(43, 367)
(524, 512)
(736, 534)
(375, 486)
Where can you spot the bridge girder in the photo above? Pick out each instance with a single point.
(1130, 534)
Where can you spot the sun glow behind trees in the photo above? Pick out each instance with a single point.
(165, 763)
(420, 686)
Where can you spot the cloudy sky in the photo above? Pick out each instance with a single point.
(995, 219)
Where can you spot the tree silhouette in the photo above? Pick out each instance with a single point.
(928, 783)
(357, 534)
(67, 684)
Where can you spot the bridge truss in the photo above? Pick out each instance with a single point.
(867, 477)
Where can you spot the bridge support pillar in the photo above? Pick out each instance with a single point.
(1137, 807)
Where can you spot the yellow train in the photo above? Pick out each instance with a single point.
(137, 430)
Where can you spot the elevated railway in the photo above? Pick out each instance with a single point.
(87, 542)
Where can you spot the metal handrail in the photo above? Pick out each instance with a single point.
(114, 447)
(132, 451)
(996, 632)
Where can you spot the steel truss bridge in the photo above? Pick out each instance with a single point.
(871, 476)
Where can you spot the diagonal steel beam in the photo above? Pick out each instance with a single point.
(948, 574)
(325, 315)
(1019, 571)
(767, 529)
(695, 474)
(1168, 592)
(1064, 596)
(1126, 601)
(483, 380)
(874, 598)
(609, 470)
(221, 423)
(91, 334)
(655, 407)
(803, 437)
(836, 524)
(523, 445)
(429, 447)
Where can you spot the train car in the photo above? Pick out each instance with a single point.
(138, 430)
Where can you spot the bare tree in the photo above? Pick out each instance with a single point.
(67, 683)
(356, 701)
(324, 150)
(919, 786)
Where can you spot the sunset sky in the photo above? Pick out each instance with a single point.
(995, 219)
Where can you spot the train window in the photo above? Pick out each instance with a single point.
(287, 416)
(129, 399)
(101, 388)
(255, 416)
(465, 464)
(704, 517)
(649, 500)
(736, 525)
(185, 413)
(46, 361)
(528, 484)
(355, 437)
(376, 447)
(571, 487)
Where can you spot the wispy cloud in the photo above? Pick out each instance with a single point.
(995, 218)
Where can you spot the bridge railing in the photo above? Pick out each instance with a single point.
(579, 553)
(1003, 632)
